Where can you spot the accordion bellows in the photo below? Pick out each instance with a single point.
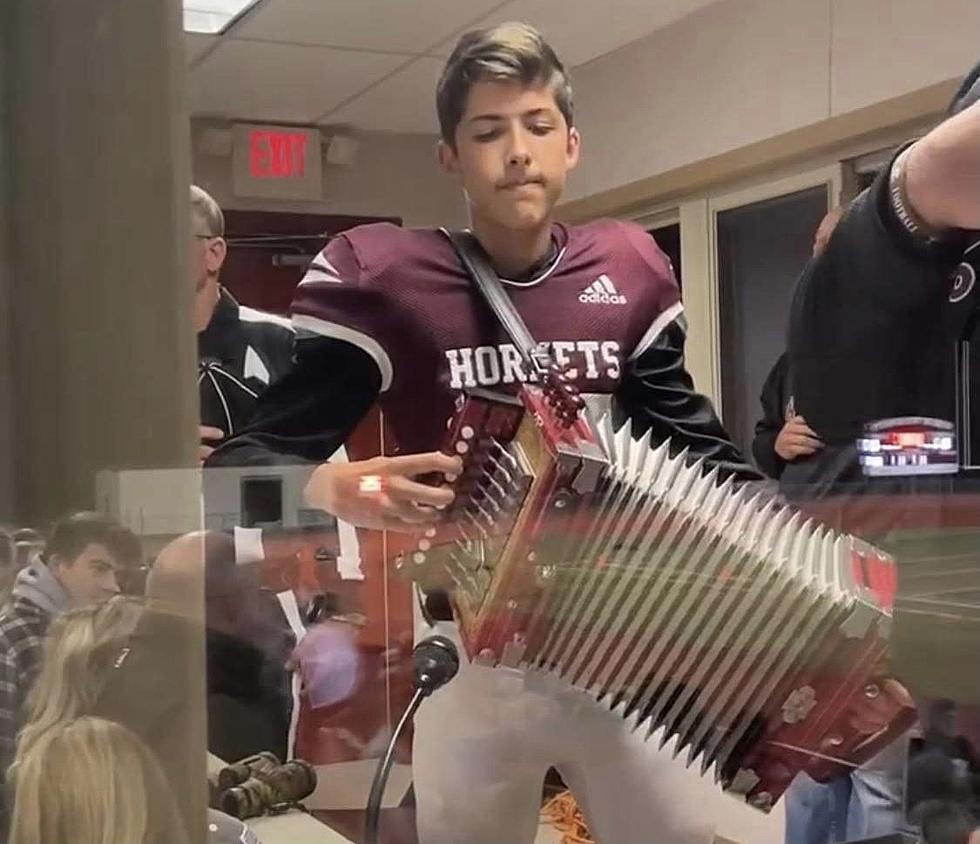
(699, 611)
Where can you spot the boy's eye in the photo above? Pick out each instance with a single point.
(541, 128)
(488, 135)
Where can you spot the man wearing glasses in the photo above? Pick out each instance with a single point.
(240, 350)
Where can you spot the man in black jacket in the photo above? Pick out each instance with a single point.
(876, 317)
(874, 333)
(240, 350)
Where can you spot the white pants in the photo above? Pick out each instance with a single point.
(484, 742)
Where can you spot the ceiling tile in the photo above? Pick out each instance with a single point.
(385, 25)
(584, 34)
(405, 102)
(196, 45)
(279, 82)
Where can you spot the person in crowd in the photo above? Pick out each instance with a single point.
(29, 543)
(782, 435)
(873, 331)
(78, 567)
(943, 735)
(247, 642)
(876, 316)
(26, 544)
(240, 350)
(81, 649)
(946, 822)
(92, 780)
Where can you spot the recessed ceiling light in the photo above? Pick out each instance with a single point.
(213, 17)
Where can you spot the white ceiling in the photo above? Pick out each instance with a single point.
(373, 64)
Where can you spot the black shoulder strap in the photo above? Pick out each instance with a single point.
(477, 264)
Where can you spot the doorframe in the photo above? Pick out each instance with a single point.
(699, 255)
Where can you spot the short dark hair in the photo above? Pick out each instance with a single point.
(508, 51)
(71, 535)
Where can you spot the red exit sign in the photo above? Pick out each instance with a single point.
(277, 162)
(277, 154)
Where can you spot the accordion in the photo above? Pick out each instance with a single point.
(689, 606)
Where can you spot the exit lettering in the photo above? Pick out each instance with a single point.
(277, 155)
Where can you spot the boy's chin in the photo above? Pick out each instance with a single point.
(525, 219)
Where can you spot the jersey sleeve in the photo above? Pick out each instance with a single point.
(340, 298)
(657, 392)
(306, 415)
(661, 304)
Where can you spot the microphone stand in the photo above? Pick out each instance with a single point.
(372, 817)
(436, 663)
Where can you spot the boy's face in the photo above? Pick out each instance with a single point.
(91, 577)
(513, 152)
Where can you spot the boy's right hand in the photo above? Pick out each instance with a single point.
(382, 493)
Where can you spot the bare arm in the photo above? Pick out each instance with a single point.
(942, 174)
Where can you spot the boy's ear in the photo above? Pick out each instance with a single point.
(574, 147)
(448, 159)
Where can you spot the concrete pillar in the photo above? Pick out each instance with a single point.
(98, 348)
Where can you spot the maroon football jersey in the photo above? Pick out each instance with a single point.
(403, 296)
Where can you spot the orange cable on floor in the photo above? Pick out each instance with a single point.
(563, 813)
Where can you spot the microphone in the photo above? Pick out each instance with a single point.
(436, 663)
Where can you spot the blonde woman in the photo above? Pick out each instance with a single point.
(92, 780)
(81, 649)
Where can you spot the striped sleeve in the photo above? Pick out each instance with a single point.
(338, 299)
(662, 297)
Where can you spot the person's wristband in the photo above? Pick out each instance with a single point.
(913, 224)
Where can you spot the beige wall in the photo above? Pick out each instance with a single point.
(393, 175)
(6, 383)
(730, 75)
(742, 71)
(103, 354)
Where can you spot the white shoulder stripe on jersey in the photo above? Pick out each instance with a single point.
(251, 315)
(315, 276)
(352, 336)
(320, 271)
(656, 329)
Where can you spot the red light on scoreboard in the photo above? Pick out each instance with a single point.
(277, 154)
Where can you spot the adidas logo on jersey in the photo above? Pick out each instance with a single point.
(602, 292)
